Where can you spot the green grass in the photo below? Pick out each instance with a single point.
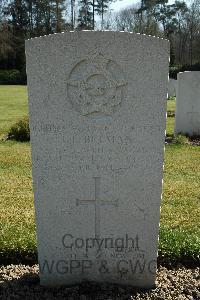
(13, 104)
(180, 220)
(171, 106)
(16, 205)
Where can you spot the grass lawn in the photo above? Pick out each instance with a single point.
(13, 104)
(180, 221)
(171, 106)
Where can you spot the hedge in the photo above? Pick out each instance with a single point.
(174, 70)
(12, 77)
(20, 130)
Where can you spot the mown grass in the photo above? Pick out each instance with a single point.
(13, 104)
(17, 224)
(180, 220)
(171, 106)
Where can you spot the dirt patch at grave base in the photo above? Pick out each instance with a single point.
(195, 140)
(22, 282)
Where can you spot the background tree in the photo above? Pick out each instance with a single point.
(21, 19)
(193, 27)
(178, 22)
(101, 8)
(85, 20)
(126, 19)
(7, 45)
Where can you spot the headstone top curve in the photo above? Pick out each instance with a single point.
(78, 33)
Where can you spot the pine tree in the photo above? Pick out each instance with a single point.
(85, 18)
(101, 8)
(57, 14)
(7, 44)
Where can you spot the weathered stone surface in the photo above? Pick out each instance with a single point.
(97, 121)
(187, 119)
(172, 87)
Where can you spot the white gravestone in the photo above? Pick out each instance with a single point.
(172, 87)
(187, 119)
(97, 121)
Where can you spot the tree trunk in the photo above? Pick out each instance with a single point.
(57, 17)
(93, 4)
(30, 17)
(141, 16)
(191, 43)
(102, 15)
(72, 14)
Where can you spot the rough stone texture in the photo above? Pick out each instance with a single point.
(97, 121)
(187, 119)
(172, 87)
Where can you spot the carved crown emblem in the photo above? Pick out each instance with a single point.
(96, 85)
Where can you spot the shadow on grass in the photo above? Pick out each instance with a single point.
(171, 261)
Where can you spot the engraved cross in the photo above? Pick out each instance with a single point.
(97, 202)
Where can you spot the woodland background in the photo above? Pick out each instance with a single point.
(22, 19)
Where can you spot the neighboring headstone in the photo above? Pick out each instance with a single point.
(97, 121)
(172, 87)
(187, 120)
